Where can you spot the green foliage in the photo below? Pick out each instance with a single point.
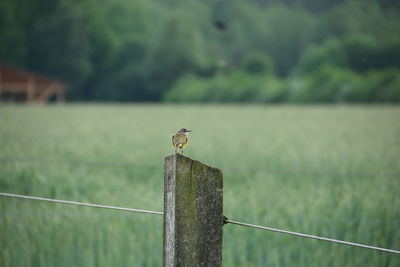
(355, 52)
(359, 17)
(322, 170)
(178, 50)
(327, 84)
(332, 84)
(12, 33)
(381, 86)
(120, 50)
(59, 41)
(366, 53)
(228, 87)
(288, 32)
(331, 52)
(258, 63)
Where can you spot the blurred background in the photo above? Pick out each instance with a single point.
(325, 161)
(208, 51)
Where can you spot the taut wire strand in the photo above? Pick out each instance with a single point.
(312, 236)
(81, 203)
(226, 221)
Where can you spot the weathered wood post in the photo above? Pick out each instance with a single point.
(193, 216)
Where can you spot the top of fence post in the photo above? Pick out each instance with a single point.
(193, 208)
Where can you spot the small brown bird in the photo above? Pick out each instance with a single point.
(180, 139)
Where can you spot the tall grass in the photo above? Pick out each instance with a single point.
(325, 170)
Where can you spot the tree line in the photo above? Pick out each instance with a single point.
(209, 50)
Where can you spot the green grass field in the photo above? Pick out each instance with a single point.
(326, 170)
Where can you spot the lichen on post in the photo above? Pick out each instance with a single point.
(193, 213)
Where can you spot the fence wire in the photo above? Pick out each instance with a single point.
(80, 203)
(226, 220)
(312, 236)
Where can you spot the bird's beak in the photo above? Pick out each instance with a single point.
(189, 130)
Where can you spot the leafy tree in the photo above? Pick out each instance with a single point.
(327, 84)
(232, 87)
(380, 86)
(358, 17)
(330, 51)
(365, 52)
(58, 42)
(12, 32)
(144, 50)
(179, 50)
(288, 32)
(330, 84)
(257, 63)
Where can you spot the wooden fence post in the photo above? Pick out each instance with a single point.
(193, 217)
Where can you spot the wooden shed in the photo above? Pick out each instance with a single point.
(17, 85)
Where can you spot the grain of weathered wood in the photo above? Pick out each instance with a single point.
(193, 208)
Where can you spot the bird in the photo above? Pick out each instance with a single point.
(180, 139)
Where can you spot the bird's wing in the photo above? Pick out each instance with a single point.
(184, 139)
(179, 138)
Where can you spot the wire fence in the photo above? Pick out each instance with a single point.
(80, 203)
(226, 221)
(106, 164)
(311, 236)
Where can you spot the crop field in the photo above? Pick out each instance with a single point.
(332, 171)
